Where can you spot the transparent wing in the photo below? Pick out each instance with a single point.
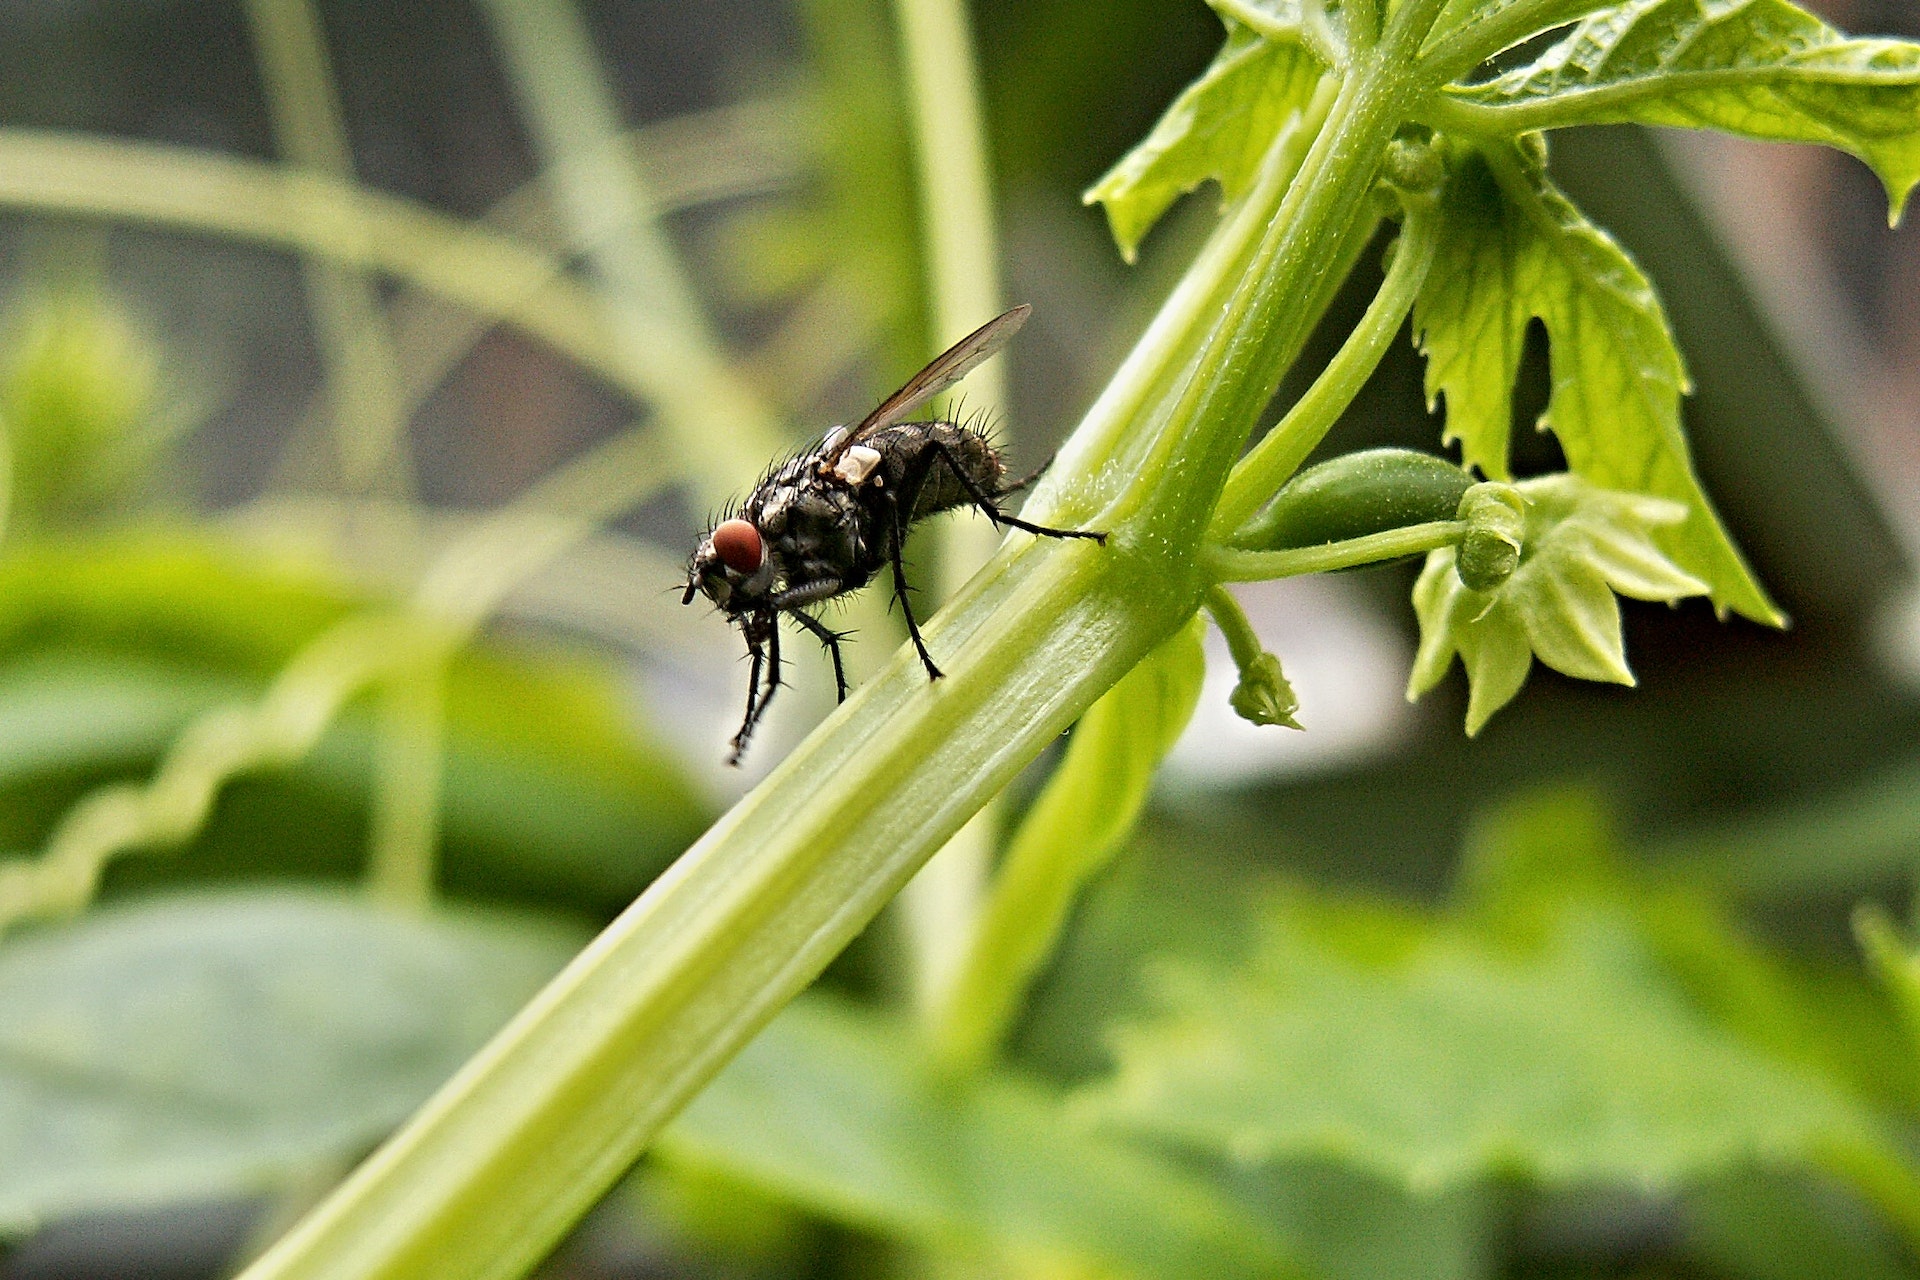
(946, 369)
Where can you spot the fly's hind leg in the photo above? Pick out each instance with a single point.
(991, 509)
(900, 585)
(830, 640)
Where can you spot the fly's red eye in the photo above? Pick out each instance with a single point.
(738, 545)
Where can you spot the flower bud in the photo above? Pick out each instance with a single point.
(1490, 551)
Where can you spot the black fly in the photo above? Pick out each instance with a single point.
(823, 522)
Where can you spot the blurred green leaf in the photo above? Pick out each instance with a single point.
(1530, 857)
(832, 1108)
(63, 712)
(1578, 546)
(1761, 68)
(1219, 128)
(1769, 1225)
(551, 788)
(199, 1046)
(1513, 249)
(1433, 1051)
(1352, 1225)
(1894, 962)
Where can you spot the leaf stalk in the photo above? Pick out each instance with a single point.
(1229, 564)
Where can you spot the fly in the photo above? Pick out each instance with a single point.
(825, 521)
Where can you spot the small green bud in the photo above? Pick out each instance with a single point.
(1490, 551)
(1263, 695)
(1414, 167)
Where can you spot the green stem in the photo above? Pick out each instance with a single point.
(1409, 25)
(1279, 454)
(1602, 105)
(208, 194)
(533, 1131)
(719, 430)
(942, 904)
(407, 780)
(363, 371)
(1227, 564)
(1243, 643)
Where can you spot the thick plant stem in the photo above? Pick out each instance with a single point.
(531, 1132)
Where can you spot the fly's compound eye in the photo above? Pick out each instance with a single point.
(739, 547)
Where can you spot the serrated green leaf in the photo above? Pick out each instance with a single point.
(1761, 68)
(208, 1045)
(830, 1107)
(1580, 545)
(1512, 249)
(1219, 128)
(1576, 1061)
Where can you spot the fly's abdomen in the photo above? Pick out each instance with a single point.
(920, 451)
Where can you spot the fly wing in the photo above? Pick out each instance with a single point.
(945, 370)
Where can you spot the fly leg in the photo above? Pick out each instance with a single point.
(830, 639)
(765, 659)
(991, 509)
(738, 746)
(900, 585)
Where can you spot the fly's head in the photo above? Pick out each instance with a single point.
(731, 567)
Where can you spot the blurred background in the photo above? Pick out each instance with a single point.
(242, 408)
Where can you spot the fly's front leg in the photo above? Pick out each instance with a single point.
(755, 705)
(900, 585)
(830, 639)
(991, 509)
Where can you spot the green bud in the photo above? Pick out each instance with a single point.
(79, 386)
(1263, 695)
(1490, 551)
(1413, 166)
(1355, 495)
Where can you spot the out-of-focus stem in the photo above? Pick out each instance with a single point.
(363, 371)
(941, 905)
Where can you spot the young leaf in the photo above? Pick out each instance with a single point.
(1218, 128)
(191, 1047)
(1513, 249)
(831, 1108)
(1433, 1054)
(1761, 68)
(1089, 805)
(1580, 545)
